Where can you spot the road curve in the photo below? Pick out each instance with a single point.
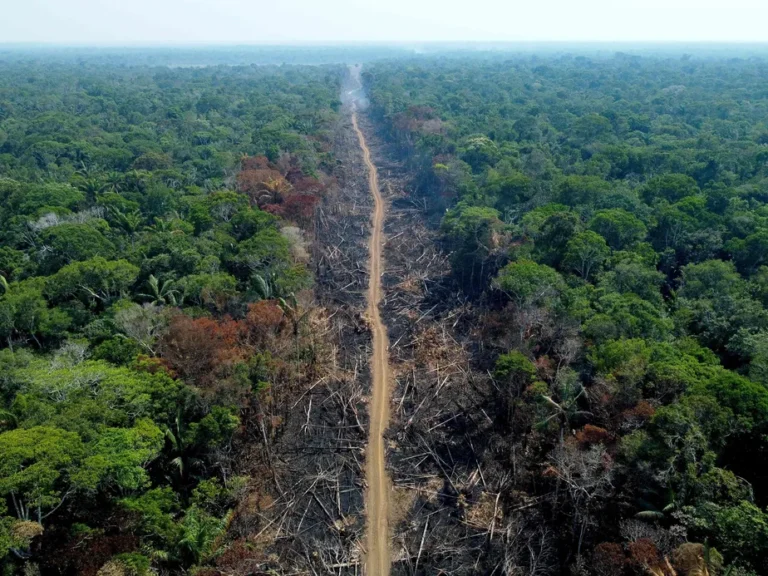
(377, 531)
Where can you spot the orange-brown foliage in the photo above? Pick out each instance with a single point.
(307, 185)
(592, 435)
(639, 414)
(153, 365)
(643, 553)
(300, 208)
(240, 557)
(255, 163)
(545, 367)
(203, 350)
(643, 410)
(197, 348)
(608, 559)
(276, 209)
(549, 472)
(252, 182)
(265, 315)
(264, 321)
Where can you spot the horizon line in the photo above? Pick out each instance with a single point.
(377, 43)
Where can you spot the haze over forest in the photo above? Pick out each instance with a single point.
(165, 22)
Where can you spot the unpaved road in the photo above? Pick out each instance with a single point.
(377, 539)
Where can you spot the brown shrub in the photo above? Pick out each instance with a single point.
(644, 410)
(87, 555)
(608, 559)
(689, 560)
(255, 163)
(644, 555)
(300, 208)
(592, 435)
(241, 557)
(265, 319)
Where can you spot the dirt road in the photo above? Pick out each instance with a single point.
(377, 540)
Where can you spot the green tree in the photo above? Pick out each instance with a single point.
(528, 283)
(627, 316)
(670, 187)
(619, 228)
(266, 252)
(201, 534)
(30, 198)
(514, 372)
(750, 253)
(86, 396)
(509, 190)
(208, 289)
(75, 242)
(585, 253)
(97, 280)
(480, 151)
(630, 273)
(249, 222)
(24, 314)
(581, 190)
(742, 533)
(39, 469)
(472, 235)
(118, 458)
(554, 235)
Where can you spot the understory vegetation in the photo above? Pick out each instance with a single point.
(608, 219)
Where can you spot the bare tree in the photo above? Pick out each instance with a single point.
(586, 475)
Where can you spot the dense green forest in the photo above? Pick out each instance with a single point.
(154, 248)
(608, 216)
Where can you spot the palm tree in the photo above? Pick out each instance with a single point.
(85, 170)
(290, 307)
(92, 187)
(161, 293)
(8, 419)
(136, 179)
(264, 288)
(202, 534)
(114, 181)
(160, 225)
(273, 190)
(177, 436)
(130, 222)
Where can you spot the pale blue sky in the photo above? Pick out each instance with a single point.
(288, 21)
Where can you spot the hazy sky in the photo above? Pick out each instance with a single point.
(282, 21)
